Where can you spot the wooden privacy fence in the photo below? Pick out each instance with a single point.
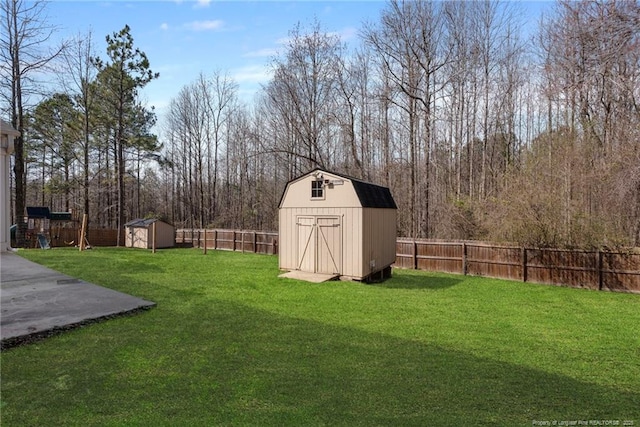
(95, 236)
(260, 242)
(614, 271)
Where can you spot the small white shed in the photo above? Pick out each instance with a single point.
(334, 225)
(139, 234)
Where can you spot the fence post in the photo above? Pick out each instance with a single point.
(255, 242)
(215, 239)
(415, 255)
(153, 238)
(524, 264)
(83, 233)
(464, 258)
(205, 242)
(242, 240)
(600, 272)
(234, 240)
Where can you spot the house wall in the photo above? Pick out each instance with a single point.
(5, 213)
(7, 134)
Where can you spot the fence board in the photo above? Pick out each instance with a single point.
(494, 261)
(95, 236)
(563, 267)
(581, 269)
(613, 271)
(439, 256)
(620, 271)
(405, 256)
(262, 242)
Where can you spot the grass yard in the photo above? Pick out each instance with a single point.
(229, 343)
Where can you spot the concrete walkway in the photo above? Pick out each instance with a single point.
(309, 277)
(36, 302)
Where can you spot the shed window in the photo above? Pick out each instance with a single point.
(316, 190)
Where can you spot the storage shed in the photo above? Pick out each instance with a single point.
(139, 234)
(333, 225)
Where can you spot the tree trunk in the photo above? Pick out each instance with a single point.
(637, 231)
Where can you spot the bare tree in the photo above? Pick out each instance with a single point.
(591, 53)
(408, 42)
(24, 51)
(220, 95)
(198, 126)
(79, 80)
(304, 89)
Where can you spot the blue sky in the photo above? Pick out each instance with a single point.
(184, 38)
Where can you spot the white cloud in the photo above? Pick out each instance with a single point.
(202, 3)
(284, 41)
(210, 25)
(250, 80)
(164, 26)
(343, 35)
(251, 74)
(347, 33)
(261, 53)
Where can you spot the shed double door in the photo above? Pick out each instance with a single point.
(319, 244)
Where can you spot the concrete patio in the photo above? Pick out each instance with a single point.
(36, 302)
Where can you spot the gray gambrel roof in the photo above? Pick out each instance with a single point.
(373, 196)
(139, 222)
(370, 195)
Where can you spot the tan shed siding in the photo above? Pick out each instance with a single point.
(142, 237)
(298, 194)
(379, 241)
(390, 235)
(368, 241)
(365, 234)
(351, 235)
(351, 251)
(286, 244)
(139, 237)
(165, 235)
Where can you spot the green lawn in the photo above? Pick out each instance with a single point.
(230, 343)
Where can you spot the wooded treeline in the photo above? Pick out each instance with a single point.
(480, 129)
